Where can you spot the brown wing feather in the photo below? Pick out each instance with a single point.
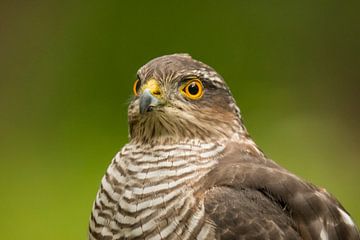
(316, 214)
(247, 214)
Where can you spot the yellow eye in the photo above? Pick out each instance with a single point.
(193, 89)
(136, 87)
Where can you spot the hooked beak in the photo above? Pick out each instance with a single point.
(148, 101)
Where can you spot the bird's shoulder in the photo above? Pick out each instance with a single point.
(243, 173)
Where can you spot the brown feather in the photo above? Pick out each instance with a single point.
(313, 210)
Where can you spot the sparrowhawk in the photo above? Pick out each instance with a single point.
(191, 170)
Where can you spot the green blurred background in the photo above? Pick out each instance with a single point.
(66, 75)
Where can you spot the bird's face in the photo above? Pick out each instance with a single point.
(177, 98)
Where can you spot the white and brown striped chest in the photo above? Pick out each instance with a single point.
(148, 193)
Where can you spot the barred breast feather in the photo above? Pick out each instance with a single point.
(150, 193)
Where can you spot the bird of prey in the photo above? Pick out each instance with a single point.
(191, 170)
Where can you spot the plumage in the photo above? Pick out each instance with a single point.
(191, 170)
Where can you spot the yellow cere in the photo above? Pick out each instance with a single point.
(153, 86)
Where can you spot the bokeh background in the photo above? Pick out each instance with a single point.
(66, 75)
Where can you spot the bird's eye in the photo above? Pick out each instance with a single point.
(193, 89)
(136, 87)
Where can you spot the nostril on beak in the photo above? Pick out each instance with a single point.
(157, 92)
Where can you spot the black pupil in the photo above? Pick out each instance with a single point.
(193, 89)
(137, 87)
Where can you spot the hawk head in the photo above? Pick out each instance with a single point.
(177, 98)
